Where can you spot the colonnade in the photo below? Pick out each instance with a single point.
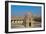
(17, 21)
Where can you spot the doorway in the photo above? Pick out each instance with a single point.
(30, 24)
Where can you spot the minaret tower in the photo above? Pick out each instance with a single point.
(28, 19)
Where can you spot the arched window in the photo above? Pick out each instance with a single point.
(12, 21)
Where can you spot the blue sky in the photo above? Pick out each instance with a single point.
(18, 10)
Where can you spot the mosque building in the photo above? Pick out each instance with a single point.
(26, 21)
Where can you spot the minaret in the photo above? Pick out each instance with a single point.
(27, 19)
